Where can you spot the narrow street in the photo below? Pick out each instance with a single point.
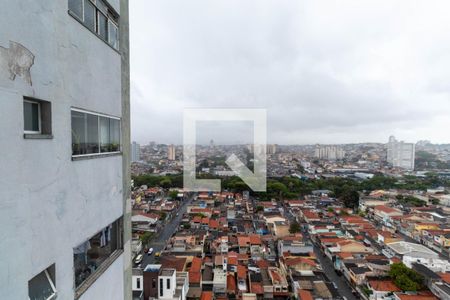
(327, 266)
(158, 243)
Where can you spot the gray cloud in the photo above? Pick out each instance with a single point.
(328, 72)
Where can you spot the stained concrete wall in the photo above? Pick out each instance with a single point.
(49, 204)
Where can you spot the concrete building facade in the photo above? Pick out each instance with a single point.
(65, 209)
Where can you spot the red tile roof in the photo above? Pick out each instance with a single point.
(255, 239)
(243, 241)
(213, 224)
(241, 271)
(385, 209)
(257, 288)
(196, 264)
(305, 295)
(231, 283)
(445, 277)
(299, 260)
(206, 295)
(383, 286)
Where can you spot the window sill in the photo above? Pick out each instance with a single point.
(99, 272)
(37, 136)
(95, 155)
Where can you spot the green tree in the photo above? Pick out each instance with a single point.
(146, 237)
(173, 194)
(165, 182)
(350, 197)
(406, 278)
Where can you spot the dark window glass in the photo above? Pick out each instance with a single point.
(31, 116)
(102, 26)
(42, 286)
(161, 292)
(76, 7)
(92, 134)
(89, 15)
(114, 135)
(153, 283)
(78, 133)
(138, 283)
(104, 134)
(168, 284)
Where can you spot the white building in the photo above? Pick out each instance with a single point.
(417, 253)
(172, 285)
(64, 103)
(329, 152)
(171, 152)
(400, 154)
(135, 152)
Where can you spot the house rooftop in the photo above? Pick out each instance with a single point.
(403, 248)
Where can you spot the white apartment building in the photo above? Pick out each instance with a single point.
(171, 151)
(329, 152)
(400, 154)
(64, 168)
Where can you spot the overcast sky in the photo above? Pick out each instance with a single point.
(326, 71)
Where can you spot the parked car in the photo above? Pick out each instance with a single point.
(150, 251)
(138, 259)
(157, 254)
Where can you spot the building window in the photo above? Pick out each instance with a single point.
(94, 133)
(161, 291)
(32, 116)
(168, 283)
(37, 117)
(138, 283)
(42, 286)
(98, 17)
(153, 283)
(91, 254)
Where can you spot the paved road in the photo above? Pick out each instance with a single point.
(159, 242)
(327, 266)
(343, 288)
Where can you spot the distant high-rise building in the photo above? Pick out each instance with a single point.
(135, 152)
(211, 144)
(329, 152)
(171, 152)
(400, 154)
(65, 188)
(271, 149)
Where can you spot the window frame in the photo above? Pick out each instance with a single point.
(98, 115)
(51, 283)
(111, 16)
(39, 131)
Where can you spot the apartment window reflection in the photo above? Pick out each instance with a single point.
(94, 133)
(92, 253)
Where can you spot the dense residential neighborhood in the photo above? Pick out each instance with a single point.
(233, 246)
